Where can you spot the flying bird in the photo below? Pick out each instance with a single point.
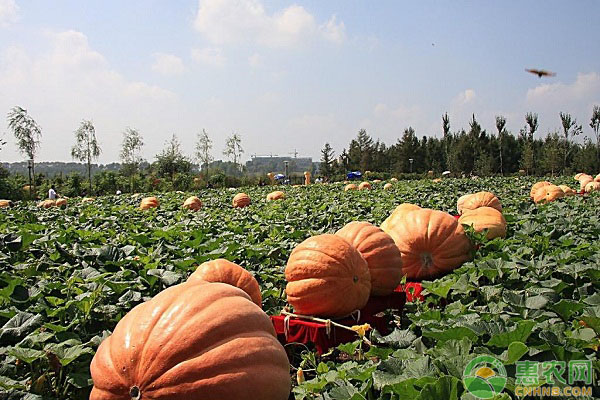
(540, 72)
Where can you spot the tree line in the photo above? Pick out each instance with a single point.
(473, 151)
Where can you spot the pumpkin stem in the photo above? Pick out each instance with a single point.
(135, 393)
(426, 260)
(355, 279)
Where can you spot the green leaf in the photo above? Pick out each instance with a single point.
(519, 334)
(25, 354)
(451, 334)
(446, 387)
(515, 351)
(566, 308)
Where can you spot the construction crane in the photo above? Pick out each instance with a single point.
(295, 153)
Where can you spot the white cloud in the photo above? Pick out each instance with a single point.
(70, 81)
(464, 97)
(9, 13)
(227, 21)
(210, 55)
(585, 87)
(167, 64)
(255, 60)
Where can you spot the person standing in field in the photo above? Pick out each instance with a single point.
(52, 193)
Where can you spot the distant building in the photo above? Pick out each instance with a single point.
(265, 164)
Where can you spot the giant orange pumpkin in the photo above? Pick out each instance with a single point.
(548, 193)
(327, 276)
(350, 186)
(485, 218)
(397, 215)
(583, 182)
(149, 202)
(241, 200)
(479, 199)
(432, 243)
(192, 203)
(5, 203)
(536, 186)
(224, 271)
(47, 203)
(460, 202)
(192, 341)
(364, 186)
(379, 251)
(592, 187)
(387, 186)
(597, 178)
(276, 195)
(582, 175)
(62, 202)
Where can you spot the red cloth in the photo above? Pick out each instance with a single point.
(412, 290)
(302, 331)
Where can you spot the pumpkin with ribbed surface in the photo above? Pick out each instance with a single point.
(364, 186)
(388, 186)
(461, 201)
(47, 203)
(536, 186)
(276, 195)
(241, 200)
(379, 251)
(432, 243)
(597, 178)
(224, 271)
(397, 215)
(149, 202)
(479, 199)
(548, 193)
(61, 202)
(5, 203)
(350, 186)
(192, 341)
(327, 276)
(583, 182)
(485, 218)
(192, 203)
(592, 187)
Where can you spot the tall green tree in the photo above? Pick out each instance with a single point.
(171, 159)
(28, 134)
(528, 159)
(233, 148)
(86, 146)
(500, 127)
(447, 135)
(131, 153)
(570, 129)
(552, 155)
(327, 156)
(203, 148)
(595, 125)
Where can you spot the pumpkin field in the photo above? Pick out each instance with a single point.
(69, 274)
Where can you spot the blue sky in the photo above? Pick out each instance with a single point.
(289, 75)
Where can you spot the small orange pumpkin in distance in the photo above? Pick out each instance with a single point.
(192, 341)
(350, 186)
(327, 276)
(536, 186)
(379, 251)
(583, 182)
(149, 202)
(479, 199)
(376, 180)
(192, 203)
(87, 200)
(592, 187)
(568, 191)
(393, 179)
(364, 186)
(241, 200)
(47, 203)
(62, 202)
(485, 218)
(388, 186)
(432, 243)
(5, 203)
(397, 215)
(548, 193)
(276, 195)
(224, 271)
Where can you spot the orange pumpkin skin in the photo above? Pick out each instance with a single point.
(149, 202)
(379, 251)
(47, 204)
(5, 203)
(461, 201)
(592, 187)
(276, 195)
(192, 341)
(327, 276)
(548, 193)
(225, 271)
(364, 186)
(61, 202)
(480, 199)
(387, 186)
(485, 218)
(393, 179)
(397, 215)
(432, 243)
(583, 182)
(192, 203)
(241, 200)
(597, 178)
(350, 186)
(579, 175)
(568, 191)
(536, 186)
(376, 180)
